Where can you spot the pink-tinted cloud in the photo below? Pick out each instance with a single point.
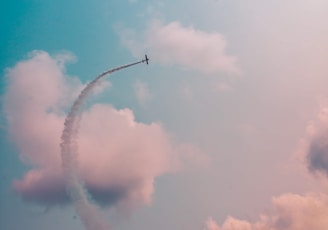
(119, 158)
(317, 155)
(290, 211)
(313, 150)
(210, 224)
(186, 46)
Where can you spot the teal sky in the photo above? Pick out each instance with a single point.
(244, 83)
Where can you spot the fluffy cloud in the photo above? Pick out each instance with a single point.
(185, 46)
(290, 211)
(313, 151)
(317, 155)
(119, 158)
(210, 224)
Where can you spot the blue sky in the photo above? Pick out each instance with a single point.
(230, 116)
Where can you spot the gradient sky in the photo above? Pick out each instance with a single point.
(225, 129)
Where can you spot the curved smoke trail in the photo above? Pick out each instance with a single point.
(87, 211)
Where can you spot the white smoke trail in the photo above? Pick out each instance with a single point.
(87, 211)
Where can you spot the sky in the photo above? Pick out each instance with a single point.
(225, 129)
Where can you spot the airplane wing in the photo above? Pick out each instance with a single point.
(146, 59)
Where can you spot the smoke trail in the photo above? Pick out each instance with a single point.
(87, 211)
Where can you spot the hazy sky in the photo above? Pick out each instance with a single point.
(225, 129)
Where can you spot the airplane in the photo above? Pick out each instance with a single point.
(146, 59)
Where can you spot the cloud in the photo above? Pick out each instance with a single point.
(290, 211)
(142, 92)
(186, 46)
(318, 154)
(313, 150)
(210, 224)
(119, 158)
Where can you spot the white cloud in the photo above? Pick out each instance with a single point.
(313, 148)
(290, 211)
(174, 44)
(210, 224)
(119, 158)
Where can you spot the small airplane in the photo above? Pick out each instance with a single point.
(146, 59)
